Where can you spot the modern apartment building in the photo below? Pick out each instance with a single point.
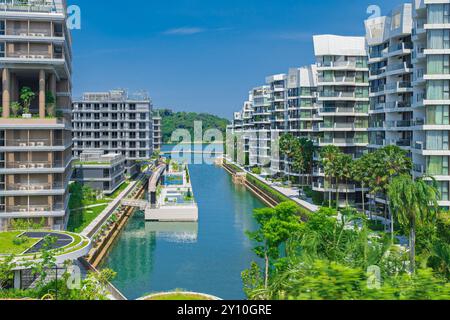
(391, 77)
(408, 55)
(114, 122)
(157, 131)
(391, 80)
(431, 100)
(35, 141)
(102, 172)
(343, 101)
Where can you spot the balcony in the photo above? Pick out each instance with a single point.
(31, 210)
(344, 188)
(344, 111)
(38, 6)
(342, 64)
(343, 95)
(35, 144)
(403, 67)
(343, 141)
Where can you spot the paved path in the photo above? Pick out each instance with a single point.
(108, 210)
(90, 206)
(291, 193)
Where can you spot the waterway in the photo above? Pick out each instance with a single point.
(206, 257)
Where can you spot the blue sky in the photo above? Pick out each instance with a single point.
(203, 55)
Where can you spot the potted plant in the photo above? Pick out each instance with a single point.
(15, 109)
(50, 102)
(26, 95)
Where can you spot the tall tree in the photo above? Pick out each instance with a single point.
(276, 226)
(329, 155)
(414, 202)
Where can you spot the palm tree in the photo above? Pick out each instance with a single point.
(394, 162)
(290, 147)
(329, 155)
(362, 173)
(347, 164)
(414, 202)
(307, 151)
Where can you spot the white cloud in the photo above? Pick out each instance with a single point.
(184, 31)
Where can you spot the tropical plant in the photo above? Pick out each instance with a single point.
(50, 104)
(329, 155)
(7, 265)
(413, 202)
(27, 96)
(16, 108)
(276, 226)
(362, 173)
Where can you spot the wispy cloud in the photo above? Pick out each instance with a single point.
(184, 31)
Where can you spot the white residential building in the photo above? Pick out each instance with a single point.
(431, 37)
(35, 144)
(391, 76)
(343, 86)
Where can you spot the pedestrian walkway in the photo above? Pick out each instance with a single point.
(291, 193)
(90, 229)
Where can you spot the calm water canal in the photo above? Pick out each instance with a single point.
(207, 257)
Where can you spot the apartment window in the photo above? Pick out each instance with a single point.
(143, 116)
(437, 140)
(114, 107)
(132, 107)
(2, 27)
(142, 145)
(438, 64)
(142, 126)
(439, 39)
(132, 126)
(437, 165)
(142, 135)
(2, 49)
(438, 90)
(132, 116)
(142, 154)
(438, 115)
(438, 13)
(443, 189)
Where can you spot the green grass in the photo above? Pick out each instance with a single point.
(80, 219)
(118, 191)
(7, 246)
(178, 297)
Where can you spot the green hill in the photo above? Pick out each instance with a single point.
(185, 120)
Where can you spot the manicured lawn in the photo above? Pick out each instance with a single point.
(119, 190)
(7, 245)
(178, 297)
(80, 219)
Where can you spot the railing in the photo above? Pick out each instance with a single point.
(344, 110)
(32, 208)
(398, 66)
(338, 79)
(36, 164)
(343, 140)
(340, 94)
(33, 187)
(334, 187)
(342, 64)
(400, 46)
(36, 142)
(28, 6)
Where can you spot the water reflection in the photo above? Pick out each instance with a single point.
(175, 232)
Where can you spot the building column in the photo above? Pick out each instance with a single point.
(6, 101)
(17, 279)
(42, 94)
